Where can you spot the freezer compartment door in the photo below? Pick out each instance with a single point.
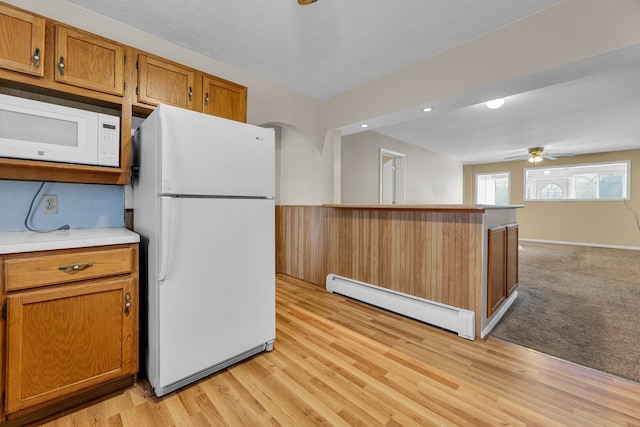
(217, 299)
(207, 155)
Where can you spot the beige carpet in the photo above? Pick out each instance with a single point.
(580, 304)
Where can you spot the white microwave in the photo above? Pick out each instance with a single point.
(36, 130)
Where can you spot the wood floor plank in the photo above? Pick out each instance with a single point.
(337, 361)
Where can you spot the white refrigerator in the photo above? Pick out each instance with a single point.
(204, 207)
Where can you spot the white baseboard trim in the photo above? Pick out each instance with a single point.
(444, 316)
(595, 245)
(498, 314)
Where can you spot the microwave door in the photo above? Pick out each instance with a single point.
(36, 130)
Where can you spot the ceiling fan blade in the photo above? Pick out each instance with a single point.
(521, 157)
(563, 155)
(548, 157)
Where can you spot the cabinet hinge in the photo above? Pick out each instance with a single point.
(4, 311)
(136, 90)
(137, 64)
(125, 59)
(124, 86)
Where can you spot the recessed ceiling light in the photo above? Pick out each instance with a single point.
(427, 109)
(364, 125)
(495, 103)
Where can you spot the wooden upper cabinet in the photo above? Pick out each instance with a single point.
(224, 99)
(88, 61)
(163, 82)
(21, 41)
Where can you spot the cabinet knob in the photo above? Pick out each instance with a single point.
(206, 99)
(127, 303)
(61, 65)
(36, 59)
(190, 93)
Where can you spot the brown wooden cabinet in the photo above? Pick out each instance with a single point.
(224, 99)
(22, 38)
(502, 265)
(512, 258)
(71, 326)
(88, 61)
(94, 74)
(164, 82)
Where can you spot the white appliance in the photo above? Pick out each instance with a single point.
(36, 130)
(204, 207)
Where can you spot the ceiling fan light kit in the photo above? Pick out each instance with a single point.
(303, 2)
(537, 154)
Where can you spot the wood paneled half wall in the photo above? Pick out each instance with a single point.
(301, 234)
(434, 252)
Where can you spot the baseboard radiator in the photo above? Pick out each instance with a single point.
(444, 316)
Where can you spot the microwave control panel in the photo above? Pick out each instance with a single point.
(109, 141)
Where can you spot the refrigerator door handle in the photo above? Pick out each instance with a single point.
(165, 237)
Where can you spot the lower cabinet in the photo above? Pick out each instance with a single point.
(502, 263)
(67, 339)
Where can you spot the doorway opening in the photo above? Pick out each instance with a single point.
(392, 177)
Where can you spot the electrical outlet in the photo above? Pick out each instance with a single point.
(50, 204)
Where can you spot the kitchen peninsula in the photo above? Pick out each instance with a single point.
(454, 266)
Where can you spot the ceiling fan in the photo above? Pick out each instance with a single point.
(303, 2)
(536, 154)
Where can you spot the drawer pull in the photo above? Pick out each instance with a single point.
(75, 267)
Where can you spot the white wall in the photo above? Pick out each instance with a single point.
(431, 178)
(305, 172)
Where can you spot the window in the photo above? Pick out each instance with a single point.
(492, 188)
(551, 191)
(596, 181)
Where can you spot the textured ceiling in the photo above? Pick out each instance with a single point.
(321, 49)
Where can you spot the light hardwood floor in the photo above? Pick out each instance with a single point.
(339, 362)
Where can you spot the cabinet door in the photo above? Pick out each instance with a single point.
(65, 339)
(512, 258)
(496, 275)
(21, 41)
(224, 99)
(163, 82)
(89, 61)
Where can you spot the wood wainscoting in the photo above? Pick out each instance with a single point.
(429, 254)
(301, 239)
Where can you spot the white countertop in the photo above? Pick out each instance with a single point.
(28, 241)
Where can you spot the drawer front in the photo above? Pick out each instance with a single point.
(42, 270)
